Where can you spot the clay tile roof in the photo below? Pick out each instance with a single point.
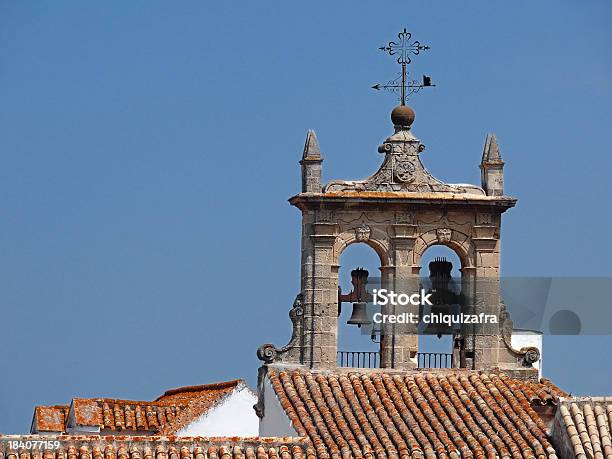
(585, 426)
(118, 415)
(168, 413)
(211, 391)
(86, 412)
(200, 400)
(49, 418)
(445, 414)
(154, 447)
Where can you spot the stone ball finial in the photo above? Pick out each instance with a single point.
(402, 116)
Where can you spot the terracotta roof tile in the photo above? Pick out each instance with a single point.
(199, 400)
(156, 447)
(447, 414)
(168, 413)
(49, 418)
(118, 415)
(185, 394)
(86, 412)
(587, 426)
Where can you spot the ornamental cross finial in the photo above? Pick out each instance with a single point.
(403, 48)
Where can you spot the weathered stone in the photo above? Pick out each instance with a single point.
(399, 211)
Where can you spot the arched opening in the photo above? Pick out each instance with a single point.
(355, 346)
(436, 341)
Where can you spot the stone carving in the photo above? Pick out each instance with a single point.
(259, 407)
(268, 353)
(484, 218)
(404, 169)
(506, 324)
(402, 257)
(401, 171)
(530, 355)
(324, 216)
(444, 235)
(362, 233)
(403, 217)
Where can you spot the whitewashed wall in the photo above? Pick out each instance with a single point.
(275, 422)
(233, 416)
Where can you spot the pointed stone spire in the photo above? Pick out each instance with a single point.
(311, 164)
(311, 147)
(492, 167)
(491, 153)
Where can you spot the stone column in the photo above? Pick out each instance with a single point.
(399, 342)
(486, 290)
(320, 290)
(468, 331)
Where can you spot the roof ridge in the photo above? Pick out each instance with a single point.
(586, 398)
(346, 371)
(120, 401)
(52, 406)
(201, 387)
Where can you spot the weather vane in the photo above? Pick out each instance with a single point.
(403, 49)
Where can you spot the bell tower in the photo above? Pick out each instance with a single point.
(400, 211)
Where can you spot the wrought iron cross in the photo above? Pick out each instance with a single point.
(403, 49)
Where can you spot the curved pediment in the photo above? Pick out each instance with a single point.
(401, 171)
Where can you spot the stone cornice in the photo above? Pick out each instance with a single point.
(389, 199)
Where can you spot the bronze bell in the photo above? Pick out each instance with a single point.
(359, 316)
(359, 279)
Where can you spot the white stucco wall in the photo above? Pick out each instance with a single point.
(528, 338)
(233, 416)
(275, 422)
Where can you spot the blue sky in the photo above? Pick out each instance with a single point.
(148, 149)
